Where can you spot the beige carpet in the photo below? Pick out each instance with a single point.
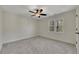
(38, 45)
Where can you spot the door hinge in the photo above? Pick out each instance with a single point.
(76, 15)
(76, 42)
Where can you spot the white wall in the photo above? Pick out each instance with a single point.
(0, 29)
(37, 27)
(69, 27)
(16, 27)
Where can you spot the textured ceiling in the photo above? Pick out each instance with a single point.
(49, 9)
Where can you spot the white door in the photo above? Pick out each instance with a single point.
(0, 29)
(77, 29)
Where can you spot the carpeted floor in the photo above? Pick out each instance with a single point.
(38, 45)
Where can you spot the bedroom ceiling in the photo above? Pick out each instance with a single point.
(49, 9)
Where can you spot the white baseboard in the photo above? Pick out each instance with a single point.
(56, 39)
(19, 39)
(32, 37)
(0, 47)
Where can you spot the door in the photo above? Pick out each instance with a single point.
(0, 29)
(77, 29)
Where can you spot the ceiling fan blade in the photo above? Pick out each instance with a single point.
(43, 14)
(31, 11)
(37, 10)
(41, 10)
(33, 15)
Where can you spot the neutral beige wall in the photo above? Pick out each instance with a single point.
(0, 29)
(16, 27)
(69, 27)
